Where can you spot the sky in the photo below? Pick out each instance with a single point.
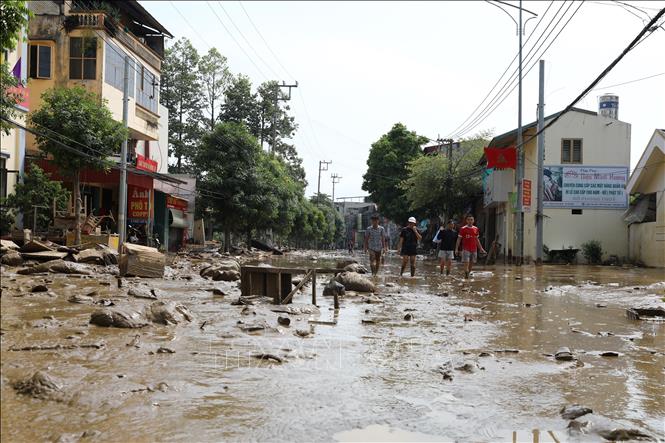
(361, 67)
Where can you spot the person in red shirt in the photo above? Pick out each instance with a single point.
(469, 238)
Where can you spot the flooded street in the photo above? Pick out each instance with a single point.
(429, 358)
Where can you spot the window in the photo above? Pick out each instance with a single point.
(3, 178)
(576, 212)
(83, 58)
(571, 150)
(39, 61)
(142, 79)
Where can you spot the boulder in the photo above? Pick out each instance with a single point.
(341, 264)
(571, 412)
(41, 386)
(356, 267)
(333, 288)
(141, 292)
(12, 258)
(168, 313)
(353, 281)
(117, 318)
(39, 288)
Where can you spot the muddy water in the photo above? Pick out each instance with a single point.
(373, 375)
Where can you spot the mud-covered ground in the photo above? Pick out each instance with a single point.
(428, 358)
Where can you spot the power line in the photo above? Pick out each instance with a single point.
(190, 25)
(628, 82)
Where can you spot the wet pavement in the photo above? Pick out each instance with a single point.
(431, 358)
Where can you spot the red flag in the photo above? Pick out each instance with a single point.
(501, 158)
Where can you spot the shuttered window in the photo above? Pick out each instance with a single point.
(39, 61)
(571, 150)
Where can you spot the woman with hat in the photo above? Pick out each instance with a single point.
(408, 244)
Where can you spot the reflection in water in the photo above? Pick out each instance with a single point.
(373, 375)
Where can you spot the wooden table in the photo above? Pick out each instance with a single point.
(277, 282)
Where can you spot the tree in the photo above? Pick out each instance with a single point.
(227, 161)
(13, 18)
(82, 121)
(215, 78)
(240, 105)
(430, 185)
(180, 93)
(387, 169)
(37, 189)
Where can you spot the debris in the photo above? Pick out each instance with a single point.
(323, 322)
(226, 275)
(8, 245)
(117, 319)
(268, 357)
(242, 301)
(624, 434)
(341, 264)
(37, 246)
(39, 288)
(81, 299)
(265, 247)
(136, 341)
(11, 258)
(601, 305)
(141, 261)
(468, 366)
(356, 267)
(609, 354)
(353, 281)
(373, 299)
(484, 354)
(168, 313)
(253, 328)
(564, 354)
(577, 426)
(216, 291)
(572, 412)
(302, 332)
(297, 309)
(646, 313)
(44, 255)
(333, 288)
(164, 350)
(42, 386)
(284, 321)
(141, 292)
(408, 317)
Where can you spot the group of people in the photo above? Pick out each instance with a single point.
(448, 239)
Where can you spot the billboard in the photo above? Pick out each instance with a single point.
(601, 187)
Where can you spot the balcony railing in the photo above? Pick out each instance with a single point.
(86, 20)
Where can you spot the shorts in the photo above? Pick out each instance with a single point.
(409, 251)
(468, 256)
(447, 255)
(375, 255)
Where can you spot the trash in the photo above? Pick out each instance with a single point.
(571, 412)
(44, 255)
(81, 299)
(563, 354)
(356, 267)
(164, 350)
(344, 263)
(646, 313)
(609, 354)
(353, 281)
(168, 313)
(624, 434)
(37, 246)
(141, 292)
(408, 317)
(333, 288)
(141, 261)
(284, 321)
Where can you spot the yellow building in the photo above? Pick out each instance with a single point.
(646, 216)
(12, 145)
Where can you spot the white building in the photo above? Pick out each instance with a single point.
(587, 157)
(646, 216)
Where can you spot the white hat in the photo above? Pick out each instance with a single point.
(412, 219)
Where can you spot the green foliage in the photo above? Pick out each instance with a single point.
(240, 104)
(37, 189)
(82, 120)
(215, 78)
(592, 251)
(430, 184)
(13, 17)
(180, 93)
(387, 168)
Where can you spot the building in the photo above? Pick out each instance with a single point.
(12, 145)
(587, 157)
(646, 215)
(71, 44)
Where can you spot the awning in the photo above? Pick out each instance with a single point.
(177, 219)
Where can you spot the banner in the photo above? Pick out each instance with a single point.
(501, 158)
(176, 203)
(526, 195)
(145, 163)
(602, 187)
(138, 206)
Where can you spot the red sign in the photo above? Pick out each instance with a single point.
(526, 195)
(145, 163)
(138, 203)
(501, 158)
(176, 203)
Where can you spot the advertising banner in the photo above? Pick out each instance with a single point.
(601, 187)
(176, 203)
(145, 163)
(526, 195)
(138, 206)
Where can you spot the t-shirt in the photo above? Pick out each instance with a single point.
(374, 237)
(469, 236)
(448, 238)
(410, 239)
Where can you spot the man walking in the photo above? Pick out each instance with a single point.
(375, 243)
(469, 238)
(408, 244)
(446, 238)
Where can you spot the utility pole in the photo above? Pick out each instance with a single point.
(335, 179)
(449, 178)
(323, 166)
(519, 176)
(122, 204)
(541, 159)
(274, 115)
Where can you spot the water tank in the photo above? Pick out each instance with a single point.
(608, 106)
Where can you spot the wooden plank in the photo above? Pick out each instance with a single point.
(274, 270)
(314, 287)
(43, 255)
(297, 288)
(277, 298)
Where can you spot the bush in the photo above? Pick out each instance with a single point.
(592, 251)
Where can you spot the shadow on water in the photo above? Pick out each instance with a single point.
(376, 374)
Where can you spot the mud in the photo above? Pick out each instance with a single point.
(475, 361)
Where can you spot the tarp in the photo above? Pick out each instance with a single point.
(177, 219)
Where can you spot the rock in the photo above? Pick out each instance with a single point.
(468, 366)
(141, 292)
(167, 313)
(333, 288)
(164, 350)
(117, 318)
(242, 301)
(655, 312)
(601, 305)
(609, 354)
(373, 299)
(220, 275)
(484, 354)
(12, 259)
(356, 267)
(571, 412)
(408, 317)
(577, 427)
(39, 288)
(284, 321)
(302, 332)
(341, 264)
(216, 291)
(247, 311)
(81, 299)
(624, 434)
(353, 281)
(563, 354)
(227, 265)
(272, 357)
(41, 386)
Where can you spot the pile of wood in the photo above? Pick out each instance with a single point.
(141, 261)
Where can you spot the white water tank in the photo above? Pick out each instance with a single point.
(608, 106)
